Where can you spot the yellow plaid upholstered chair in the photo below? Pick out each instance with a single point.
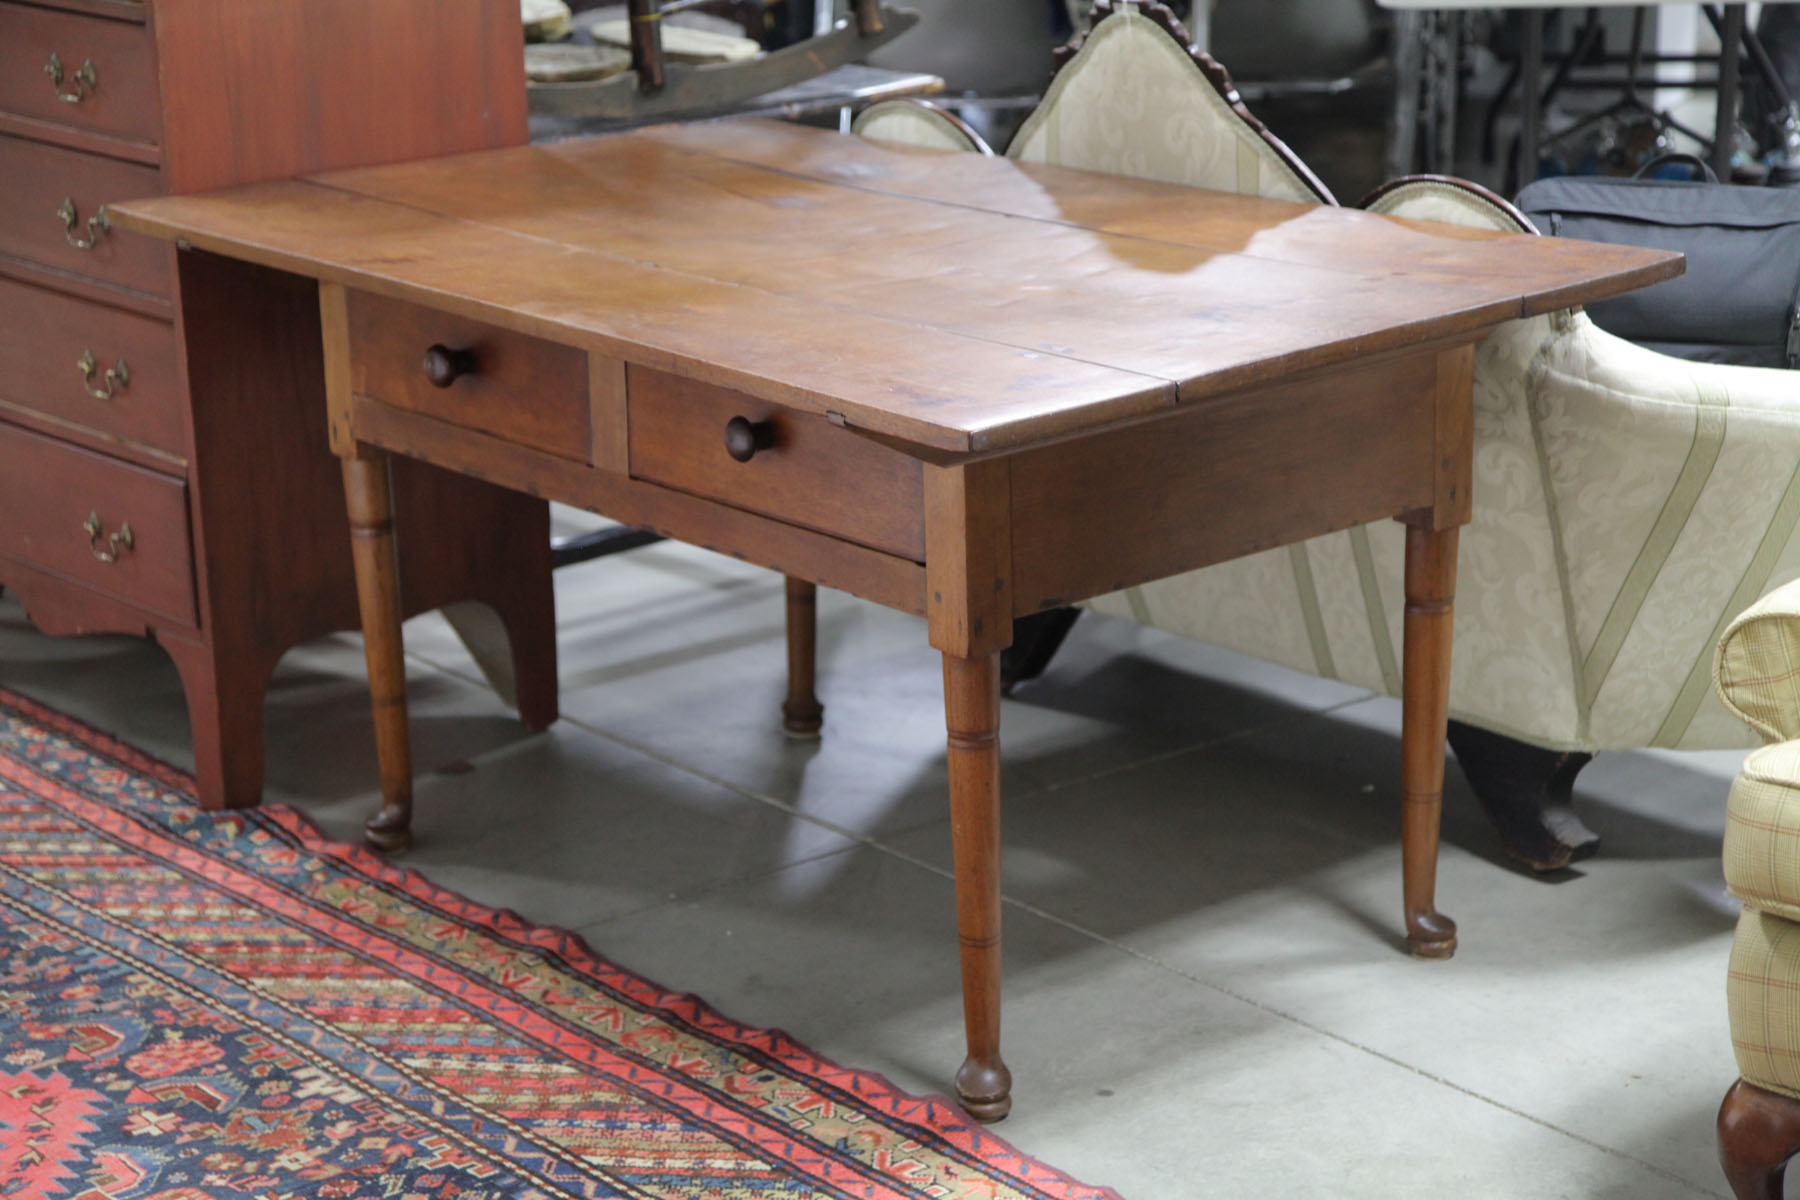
(1757, 676)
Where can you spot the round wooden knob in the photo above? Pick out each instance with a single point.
(444, 366)
(744, 437)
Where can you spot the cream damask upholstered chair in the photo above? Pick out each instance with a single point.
(1757, 675)
(1627, 505)
(1132, 98)
(917, 123)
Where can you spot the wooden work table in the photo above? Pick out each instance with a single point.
(960, 386)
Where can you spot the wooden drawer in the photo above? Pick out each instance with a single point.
(523, 389)
(47, 491)
(35, 180)
(43, 337)
(814, 474)
(122, 101)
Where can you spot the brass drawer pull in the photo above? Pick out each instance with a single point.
(116, 377)
(86, 79)
(98, 225)
(115, 545)
(744, 437)
(444, 366)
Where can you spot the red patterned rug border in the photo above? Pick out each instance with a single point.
(99, 740)
(934, 1112)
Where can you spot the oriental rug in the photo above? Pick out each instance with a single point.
(198, 1005)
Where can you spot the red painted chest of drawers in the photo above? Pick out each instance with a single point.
(155, 479)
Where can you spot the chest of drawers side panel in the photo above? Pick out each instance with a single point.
(256, 91)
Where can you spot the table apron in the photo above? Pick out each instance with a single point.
(1230, 477)
(828, 561)
(1227, 477)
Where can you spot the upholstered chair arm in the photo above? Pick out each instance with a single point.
(1585, 351)
(1757, 668)
(1677, 499)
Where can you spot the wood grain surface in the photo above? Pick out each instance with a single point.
(1131, 505)
(526, 390)
(791, 549)
(962, 304)
(265, 89)
(48, 489)
(677, 438)
(122, 102)
(45, 339)
(1067, 383)
(39, 177)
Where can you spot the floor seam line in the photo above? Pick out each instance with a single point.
(717, 885)
(1353, 1044)
(872, 842)
(1224, 739)
(706, 776)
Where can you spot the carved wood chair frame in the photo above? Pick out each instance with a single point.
(1211, 69)
(937, 112)
(1473, 191)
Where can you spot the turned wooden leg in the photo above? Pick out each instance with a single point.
(801, 713)
(1425, 697)
(1527, 793)
(370, 500)
(225, 694)
(972, 715)
(1759, 1131)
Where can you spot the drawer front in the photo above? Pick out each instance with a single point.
(104, 368)
(35, 182)
(812, 473)
(47, 200)
(523, 389)
(118, 98)
(49, 489)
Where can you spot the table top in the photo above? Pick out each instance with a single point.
(953, 302)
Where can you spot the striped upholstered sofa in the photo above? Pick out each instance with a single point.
(1627, 505)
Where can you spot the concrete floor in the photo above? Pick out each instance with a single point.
(1206, 994)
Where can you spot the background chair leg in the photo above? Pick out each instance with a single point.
(802, 715)
(1034, 643)
(1758, 1132)
(1526, 792)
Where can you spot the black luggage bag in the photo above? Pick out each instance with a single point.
(1739, 301)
